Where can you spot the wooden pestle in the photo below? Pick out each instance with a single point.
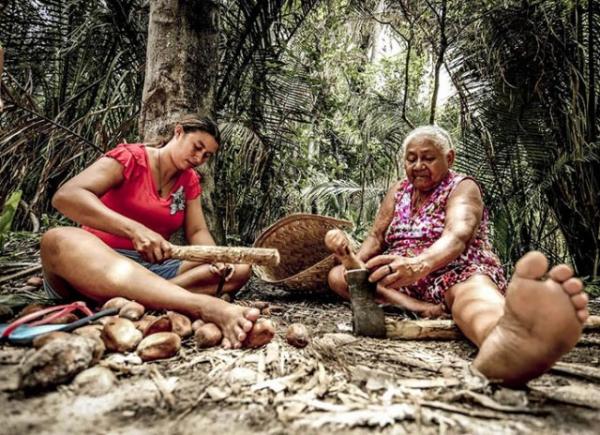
(226, 254)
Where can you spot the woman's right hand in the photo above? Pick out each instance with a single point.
(150, 245)
(337, 242)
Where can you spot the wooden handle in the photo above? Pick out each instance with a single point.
(438, 329)
(441, 329)
(226, 254)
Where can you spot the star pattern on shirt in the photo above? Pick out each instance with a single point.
(177, 201)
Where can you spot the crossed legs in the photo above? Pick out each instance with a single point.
(198, 278)
(75, 260)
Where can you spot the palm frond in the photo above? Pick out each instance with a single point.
(523, 73)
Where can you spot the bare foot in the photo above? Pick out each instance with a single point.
(542, 321)
(424, 309)
(234, 321)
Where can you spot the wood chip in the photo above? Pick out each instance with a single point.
(428, 383)
(574, 394)
(165, 387)
(578, 370)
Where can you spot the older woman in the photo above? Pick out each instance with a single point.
(429, 251)
(129, 202)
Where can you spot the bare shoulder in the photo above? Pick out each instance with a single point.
(391, 193)
(396, 186)
(467, 188)
(386, 209)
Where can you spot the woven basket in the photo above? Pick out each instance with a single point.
(305, 261)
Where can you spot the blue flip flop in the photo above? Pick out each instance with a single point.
(24, 334)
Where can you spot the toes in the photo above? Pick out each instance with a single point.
(226, 343)
(573, 286)
(583, 315)
(246, 325)
(561, 273)
(231, 341)
(579, 301)
(532, 265)
(251, 314)
(239, 333)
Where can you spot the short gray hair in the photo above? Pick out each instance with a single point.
(438, 135)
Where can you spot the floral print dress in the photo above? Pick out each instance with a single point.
(410, 233)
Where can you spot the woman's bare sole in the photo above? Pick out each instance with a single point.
(543, 320)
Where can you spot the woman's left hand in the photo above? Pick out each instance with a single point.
(224, 270)
(397, 270)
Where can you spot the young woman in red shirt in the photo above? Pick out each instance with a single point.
(129, 203)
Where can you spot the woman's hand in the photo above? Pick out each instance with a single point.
(224, 270)
(337, 242)
(397, 270)
(151, 245)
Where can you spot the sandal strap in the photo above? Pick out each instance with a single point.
(58, 310)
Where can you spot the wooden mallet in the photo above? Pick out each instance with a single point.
(226, 254)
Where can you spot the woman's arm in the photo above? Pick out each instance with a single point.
(196, 229)
(464, 211)
(79, 200)
(375, 242)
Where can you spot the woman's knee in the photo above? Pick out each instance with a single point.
(337, 279)
(52, 240)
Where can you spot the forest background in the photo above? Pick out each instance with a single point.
(314, 98)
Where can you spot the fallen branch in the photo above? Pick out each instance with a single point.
(445, 329)
(573, 394)
(20, 274)
(422, 330)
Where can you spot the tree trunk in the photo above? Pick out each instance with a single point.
(181, 72)
(439, 61)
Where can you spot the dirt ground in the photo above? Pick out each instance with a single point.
(338, 383)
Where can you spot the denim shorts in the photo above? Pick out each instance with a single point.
(167, 269)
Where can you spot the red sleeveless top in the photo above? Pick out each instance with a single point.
(137, 197)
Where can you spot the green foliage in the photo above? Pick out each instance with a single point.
(527, 76)
(314, 99)
(72, 85)
(8, 213)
